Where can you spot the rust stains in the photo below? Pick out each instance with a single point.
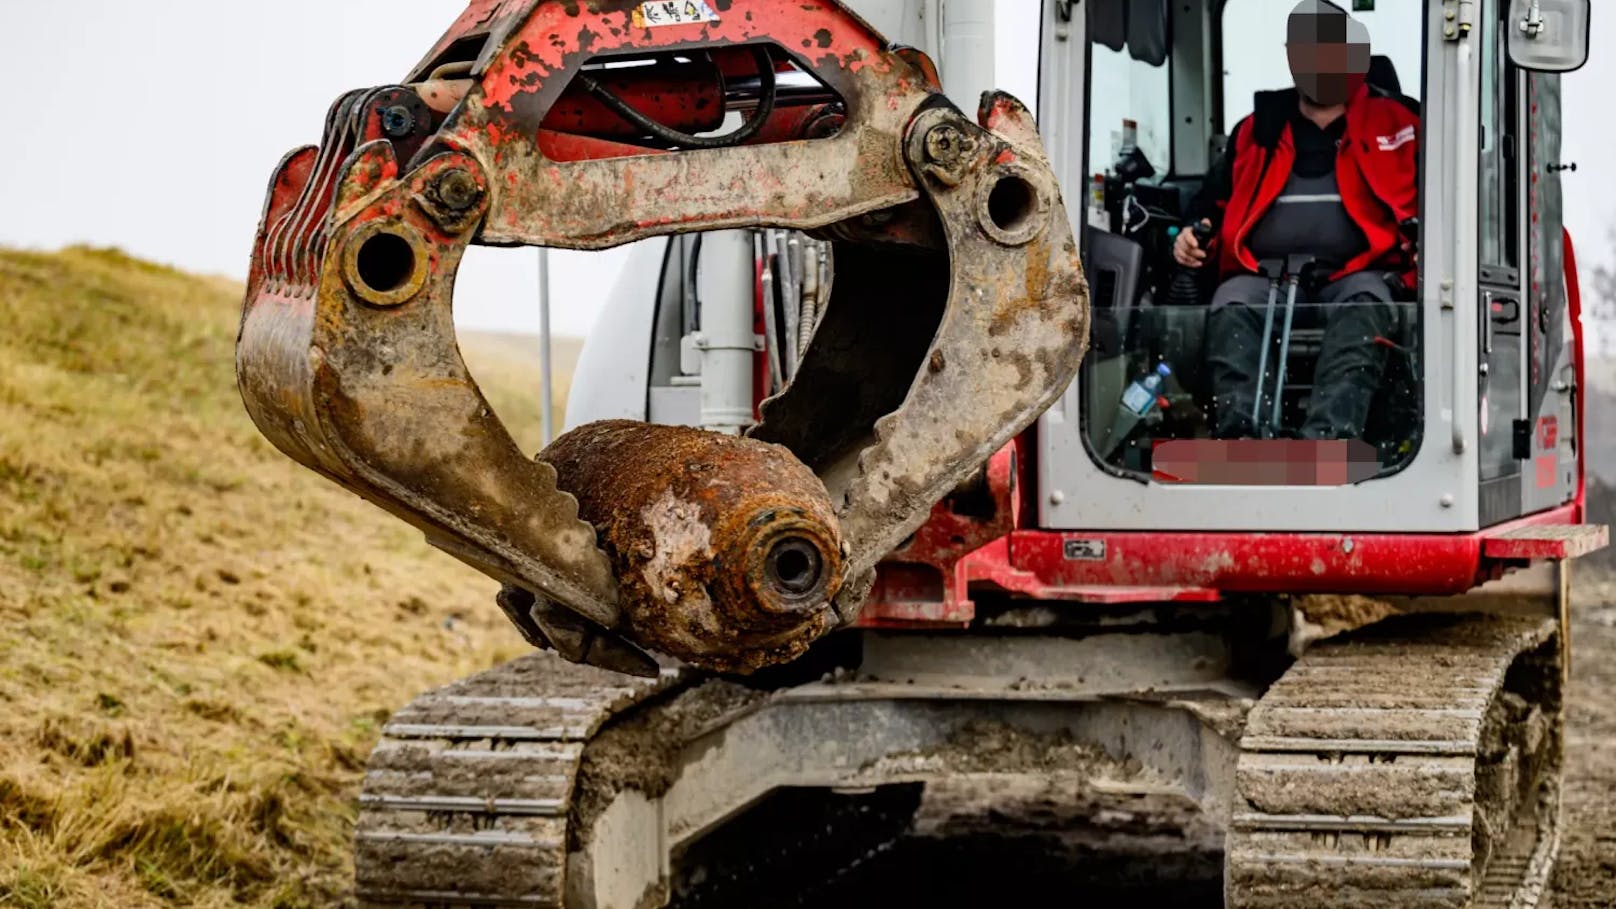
(726, 550)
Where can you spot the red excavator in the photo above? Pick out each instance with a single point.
(947, 548)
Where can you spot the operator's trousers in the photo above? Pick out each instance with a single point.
(1353, 311)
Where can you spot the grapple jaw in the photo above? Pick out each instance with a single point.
(958, 311)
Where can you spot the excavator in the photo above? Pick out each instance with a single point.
(890, 510)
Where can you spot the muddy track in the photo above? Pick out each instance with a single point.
(1586, 876)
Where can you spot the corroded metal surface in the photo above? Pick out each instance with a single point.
(958, 314)
(726, 550)
(1415, 763)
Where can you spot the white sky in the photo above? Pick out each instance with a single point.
(154, 126)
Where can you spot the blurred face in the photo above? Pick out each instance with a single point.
(1329, 56)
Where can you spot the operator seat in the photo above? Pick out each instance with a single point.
(1382, 75)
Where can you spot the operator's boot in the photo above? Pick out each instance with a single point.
(1351, 366)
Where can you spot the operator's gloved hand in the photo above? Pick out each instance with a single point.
(578, 640)
(1408, 231)
(1187, 250)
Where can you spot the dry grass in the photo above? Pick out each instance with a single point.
(198, 638)
(507, 368)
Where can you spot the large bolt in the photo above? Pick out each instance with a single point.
(458, 190)
(943, 144)
(398, 122)
(947, 147)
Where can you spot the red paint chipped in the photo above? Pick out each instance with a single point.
(535, 52)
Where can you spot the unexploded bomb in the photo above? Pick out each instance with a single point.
(727, 550)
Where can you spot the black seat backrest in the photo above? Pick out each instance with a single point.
(1108, 23)
(1383, 75)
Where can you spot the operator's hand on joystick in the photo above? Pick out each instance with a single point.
(1188, 250)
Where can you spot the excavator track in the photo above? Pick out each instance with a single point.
(1413, 765)
(467, 797)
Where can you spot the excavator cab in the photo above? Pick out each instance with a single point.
(1467, 389)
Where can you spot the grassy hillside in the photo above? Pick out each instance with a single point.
(198, 638)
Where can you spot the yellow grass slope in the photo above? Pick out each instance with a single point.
(198, 638)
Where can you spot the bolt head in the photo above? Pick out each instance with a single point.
(397, 121)
(458, 190)
(943, 144)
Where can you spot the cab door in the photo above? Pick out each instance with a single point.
(1501, 317)
(1525, 357)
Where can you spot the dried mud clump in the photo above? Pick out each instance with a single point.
(641, 752)
(1322, 616)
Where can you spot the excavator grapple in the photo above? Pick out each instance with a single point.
(957, 314)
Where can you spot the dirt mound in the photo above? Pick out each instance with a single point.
(1586, 875)
(198, 639)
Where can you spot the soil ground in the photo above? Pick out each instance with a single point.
(1586, 876)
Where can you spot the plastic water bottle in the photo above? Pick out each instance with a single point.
(1140, 398)
(1138, 401)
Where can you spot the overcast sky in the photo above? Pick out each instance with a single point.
(153, 125)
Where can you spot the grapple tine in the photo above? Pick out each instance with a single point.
(1010, 341)
(345, 377)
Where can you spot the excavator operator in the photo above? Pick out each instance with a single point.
(1326, 171)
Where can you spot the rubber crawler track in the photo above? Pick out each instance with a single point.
(1403, 768)
(466, 798)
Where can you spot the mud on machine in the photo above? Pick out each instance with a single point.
(973, 577)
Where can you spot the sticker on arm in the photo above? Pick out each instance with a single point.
(657, 13)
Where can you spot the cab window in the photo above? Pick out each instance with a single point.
(1303, 336)
(1253, 28)
(1133, 109)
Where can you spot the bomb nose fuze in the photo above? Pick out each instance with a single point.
(727, 550)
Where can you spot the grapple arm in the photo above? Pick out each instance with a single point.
(958, 311)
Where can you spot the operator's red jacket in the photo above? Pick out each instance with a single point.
(1377, 169)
